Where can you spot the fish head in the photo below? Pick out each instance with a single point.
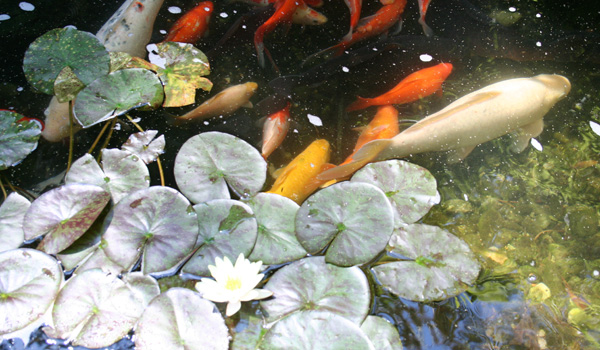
(557, 85)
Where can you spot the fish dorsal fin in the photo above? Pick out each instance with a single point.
(366, 154)
(282, 173)
(457, 155)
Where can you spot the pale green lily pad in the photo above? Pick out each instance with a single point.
(157, 223)
(355, 219)
(12, 213)
(227, 229)
(315, 330)
(60, 48)
(382, 334)
(145, 145)
(313, 284)
(181, 319)
(276, 242)
(29, 282)
(96, 309)
(208, 162)
(249, 332)
(118, 60)
(17, 139)
(438, 264)
(64, 214)
(115, 94)
(67, 85)
(411, 189)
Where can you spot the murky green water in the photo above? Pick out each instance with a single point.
(533, 217)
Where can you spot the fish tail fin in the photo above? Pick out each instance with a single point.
(329, 52)
(426, 29)
(366, 154)
(360, 103)
(260, 47)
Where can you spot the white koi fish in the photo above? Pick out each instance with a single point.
(515, 105)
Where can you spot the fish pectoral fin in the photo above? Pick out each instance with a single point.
(457, 155)
(366, 154)
(248, 105)
(520, 139)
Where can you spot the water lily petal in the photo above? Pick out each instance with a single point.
(233, 307)
(256, 294)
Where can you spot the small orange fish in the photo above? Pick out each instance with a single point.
(423, 5)
(275, 129)
(577, 300)
(284, 10)
(414, 87)
(192, 25)
(354, 6)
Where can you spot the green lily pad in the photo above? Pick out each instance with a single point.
(382, 334)
(208, 162)
(17, 139)
(354, 218)
(181, 319)
(64, 214)
(276, 242)
(158, 223)
(12, 213)
(313, 284)
(116, 93)
(411, 189)
(118, 60)
(438, 264)
(29, 282)
(182, 67)
(227, 228)
(60, 48)
(315, 330)
(145, 146)
(96, 309)
(67, 85)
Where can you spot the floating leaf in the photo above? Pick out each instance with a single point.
(276, 242)
(115, 94)
(313, 284)
(411, 189)
(118, 60)
(67, 85)
(181, 319)
(382, 334)
(60, 48)
(29, 282)
(227, 228)
(156, 222)
(64, 214)
(12, 213)
(315, 330)
(145, 146)
(17, 139)
(354, 218)
(439, 265)
(208, 162)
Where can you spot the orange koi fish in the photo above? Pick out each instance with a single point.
(354, 6)
(192, 25)
(415, 86)
(284, 10)
(275, 129)
(423, 5)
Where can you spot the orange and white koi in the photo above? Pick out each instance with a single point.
(190, 27)
(307, 16)
(275, 129)
(423, 5)
(415, 86)
(284, 11)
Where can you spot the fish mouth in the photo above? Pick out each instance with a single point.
(558, 83)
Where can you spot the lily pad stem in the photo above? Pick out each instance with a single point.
(160, 169)
(98, 137)
(110, 131)
(3, 190)
(71, 141)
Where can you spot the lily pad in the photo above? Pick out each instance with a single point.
(118, 60)
(276, 242)
(313, 284)
(64, 47)
(67, 85)
(17, 139)
(208, 162)
(29, 282)
(181, 319)
(411, 189)
(96, 309)
(438, 264)
(145, 146)
(227, 229)
(12, 213)
(64, 214)
(382, 334)
(116, 93)
(355, 219)
(157, 223)
(316, 330)
(248, 332)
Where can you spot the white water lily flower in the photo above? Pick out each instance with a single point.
(233, 284)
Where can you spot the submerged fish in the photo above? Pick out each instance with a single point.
(514, 105)
(275, 129)
(190, 27)
(284, 10)
(423, 5)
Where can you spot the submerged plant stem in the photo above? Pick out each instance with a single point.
(3, 190)
(70, 159)
(160, 169)
(98, 137)
(112, 127)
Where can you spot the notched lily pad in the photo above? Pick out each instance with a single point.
(145, 145)
(67, 85)
(17, 138)
(12, 213)
(382, 334)
(208, 162)
(411, 189)
(116, 93)
(355, 219)
(438, 264)
(313, 284)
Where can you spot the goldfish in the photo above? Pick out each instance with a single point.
(275, 129)
(192, 25)
(223, 103)
(305, 15)
(354, 6)
(298, 179)
(423, 5)
(514, 105)
(417, 85)
(284, 10)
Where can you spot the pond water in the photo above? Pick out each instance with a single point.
(532, 218)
